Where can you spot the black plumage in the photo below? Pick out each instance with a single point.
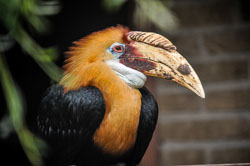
(68, 121)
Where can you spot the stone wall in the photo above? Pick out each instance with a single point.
(214, 36)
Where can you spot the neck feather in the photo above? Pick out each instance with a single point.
(118, 130)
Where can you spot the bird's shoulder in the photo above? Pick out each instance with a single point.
(71, 113)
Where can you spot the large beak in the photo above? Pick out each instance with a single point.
(154, 55)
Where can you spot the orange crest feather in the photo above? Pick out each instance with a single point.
(86, 58)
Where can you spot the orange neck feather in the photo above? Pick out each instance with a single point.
(86, 67)
(118, 130)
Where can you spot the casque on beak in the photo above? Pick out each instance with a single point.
(154, 55)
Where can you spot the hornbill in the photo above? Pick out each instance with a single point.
(100, 113)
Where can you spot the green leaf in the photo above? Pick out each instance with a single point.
(32, 145)
(41, 56)
(154, 12)
(112, 5)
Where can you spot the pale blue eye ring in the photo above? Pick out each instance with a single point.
(116, 49)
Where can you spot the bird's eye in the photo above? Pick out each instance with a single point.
(118, 48)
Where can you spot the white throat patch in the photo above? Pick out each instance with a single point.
(133, 78)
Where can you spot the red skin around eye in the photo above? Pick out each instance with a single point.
(132, 58)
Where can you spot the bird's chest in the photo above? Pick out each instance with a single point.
(117, 132)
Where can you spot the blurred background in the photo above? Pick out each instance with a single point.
(213, 35)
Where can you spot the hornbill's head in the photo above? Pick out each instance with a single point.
(129, 55)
